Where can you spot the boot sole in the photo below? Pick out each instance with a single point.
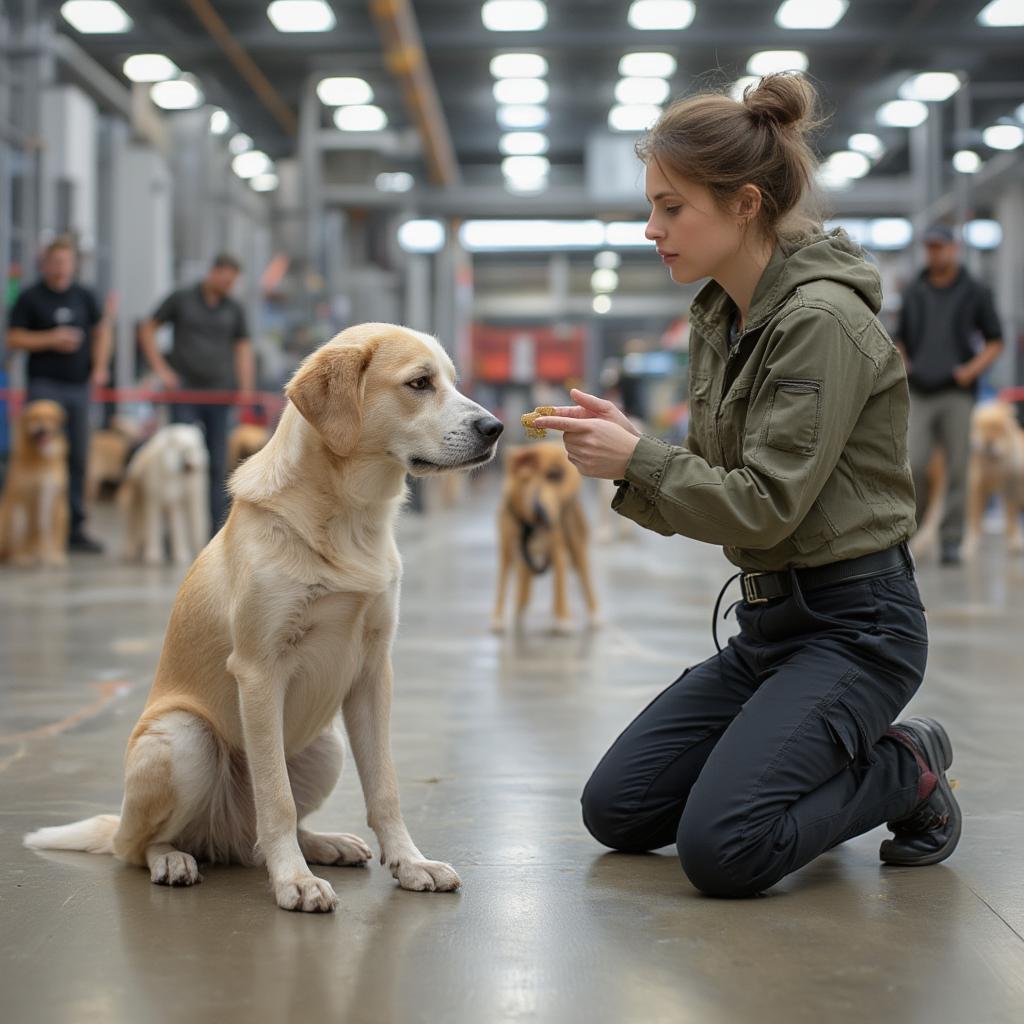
(938, 752)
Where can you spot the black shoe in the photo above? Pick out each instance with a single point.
(931, 831)
(950, 554)
(86, 545)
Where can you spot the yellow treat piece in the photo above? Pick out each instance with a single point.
(528, 418)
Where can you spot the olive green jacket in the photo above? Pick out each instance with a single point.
(797, 450)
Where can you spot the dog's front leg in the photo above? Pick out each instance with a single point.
(261, 701)
(367, 712)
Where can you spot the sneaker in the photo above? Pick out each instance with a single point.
(84, 544)
(931, 831)
(950, 554)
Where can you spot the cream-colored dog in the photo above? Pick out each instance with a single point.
(165, 486)
(286, 618)
(996, 469)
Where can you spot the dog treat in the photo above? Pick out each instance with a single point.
(528, 418)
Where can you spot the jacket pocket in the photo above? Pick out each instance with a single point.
(795, 416)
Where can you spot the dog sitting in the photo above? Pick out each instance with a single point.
(286, 619)
(245, 440)
(996, 469)
(34, 508)
(165, 487)
(541, 525)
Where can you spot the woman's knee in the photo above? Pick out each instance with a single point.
(607, 816)
(714, 863)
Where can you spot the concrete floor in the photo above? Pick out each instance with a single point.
(494, 738)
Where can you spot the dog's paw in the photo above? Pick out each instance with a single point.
(175, 868)
(306, 893)
(1015, 544)
(426, 876)
(326, 848)
(562, 627)
(498, 624)
(56, 560)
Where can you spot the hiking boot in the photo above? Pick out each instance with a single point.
(931, 831)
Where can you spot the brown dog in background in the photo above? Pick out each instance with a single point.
(34, 507)
(109, 450)
(541, 525)
(996, 468)
(245, 440)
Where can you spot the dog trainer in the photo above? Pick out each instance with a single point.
(67, 335)
(782, 746)
(211, 352)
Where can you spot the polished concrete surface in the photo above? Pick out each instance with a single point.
(493, 738)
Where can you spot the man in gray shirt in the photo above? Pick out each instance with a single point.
(945, 312)
(211, 352)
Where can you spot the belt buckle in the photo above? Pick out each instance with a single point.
(750, 594)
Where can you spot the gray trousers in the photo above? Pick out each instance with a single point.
(942, 420)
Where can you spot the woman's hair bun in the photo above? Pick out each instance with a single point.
(785, 99)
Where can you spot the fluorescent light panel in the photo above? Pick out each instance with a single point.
(514, 15)
(641, 91)
(521, 90)
(933, 86)
(632, 118)
(652, 15)
(1003, 136)
(523, 143)
(522, 116)
(362, 118)
(251, 163)
(219, 122)
(902, 113)
(519, 65)
(96, 17)
(301, 16)
(1002, 13)
(647, 65)
(342, 92)
(421, 236)
(810, 14)
(868, 144)
(770, 61)
(177, 94)
(150, 67)
(966, 161)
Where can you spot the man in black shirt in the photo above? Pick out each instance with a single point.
(944, 313)
(211, 352)
(60, 324)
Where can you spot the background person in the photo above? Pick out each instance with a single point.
(211, 351)
(60, 324)
(943, 313)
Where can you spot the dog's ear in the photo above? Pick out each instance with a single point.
(523, 459)
(328, 388)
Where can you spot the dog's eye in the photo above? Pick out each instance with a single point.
(419, 384)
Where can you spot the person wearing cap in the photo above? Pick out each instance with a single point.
(211, 352)
(944, 314)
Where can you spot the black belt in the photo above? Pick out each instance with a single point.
(761, 587)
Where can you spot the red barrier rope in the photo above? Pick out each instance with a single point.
(271, 401)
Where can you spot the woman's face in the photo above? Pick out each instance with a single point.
(694, 236)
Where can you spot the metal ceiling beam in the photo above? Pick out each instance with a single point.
(245, 65)
(405, 59)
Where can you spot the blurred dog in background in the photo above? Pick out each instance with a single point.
(165, 488)
(541, 526)
(245, 440)
(109, 451)
(34, 507)
(996, 469)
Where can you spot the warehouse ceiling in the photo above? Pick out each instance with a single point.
(858, 64)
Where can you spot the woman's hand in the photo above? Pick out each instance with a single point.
(599, 438)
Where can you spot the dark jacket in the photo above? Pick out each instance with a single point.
(797, 451)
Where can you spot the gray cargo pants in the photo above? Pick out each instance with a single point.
(942, 419)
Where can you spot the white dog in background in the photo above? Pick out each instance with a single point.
(165, 488)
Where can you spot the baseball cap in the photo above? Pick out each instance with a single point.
(941, 234)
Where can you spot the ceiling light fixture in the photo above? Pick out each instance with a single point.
(868, 144)
(740, 86)
(514, 15)
(902, 114)
(932, 86)
(519, 116)
(633, 118)
(252, 163)
(1003, 136)
(264, 182)
(641, 91)
(602, 304)
(421, 235)
(768, 62)
(219, 122)
(810, 14)
(301, 16)
(177, 94)
(647, 65)
(523, 143)
(344, 92)
(240, 143)
(1002, 13)
(519, 65)
(966, 161)
(150, 67)
(361, 118)
(95, 17)
(521, 90)
(653, 15)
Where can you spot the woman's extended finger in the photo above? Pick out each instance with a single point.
(563, 423)
(574, 411)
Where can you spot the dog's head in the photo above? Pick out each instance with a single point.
(183, 449)
(41, 425)
(384, 391)
(994, 431)
(539, 477)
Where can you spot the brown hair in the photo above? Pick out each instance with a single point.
(61, 243)
(225, 259)
(724, 144)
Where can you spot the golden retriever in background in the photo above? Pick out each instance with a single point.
(286, 618)
(541, 525)
(245, 440)
(34, 508)
(996, 468)
(109, 449)
(165, 488)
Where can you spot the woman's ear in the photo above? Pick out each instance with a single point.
(747, 204)
(328, 389)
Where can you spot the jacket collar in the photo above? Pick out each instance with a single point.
(712, 310)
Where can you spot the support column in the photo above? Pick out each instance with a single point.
(1009, 258)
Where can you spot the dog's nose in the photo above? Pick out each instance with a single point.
(489, 427)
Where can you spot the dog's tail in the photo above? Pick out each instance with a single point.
(93, 835)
